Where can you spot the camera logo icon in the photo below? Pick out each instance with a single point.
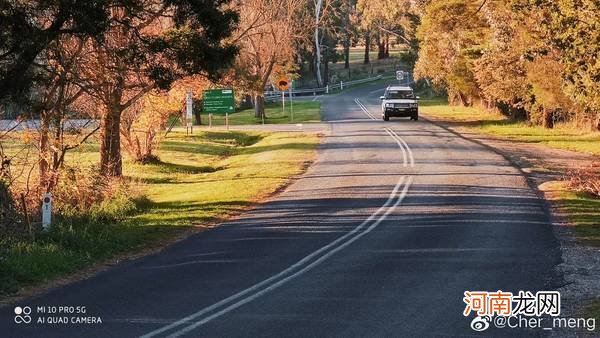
(22, 315)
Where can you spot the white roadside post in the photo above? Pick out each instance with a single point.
(189, 107)
(341, 85)
(47, 211)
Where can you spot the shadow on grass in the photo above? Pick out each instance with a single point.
(286, 146)
(234, 138)
(213, 149)
(212, 143)
(584, 212)
(194, 148)
(173, 168)
(189, 213)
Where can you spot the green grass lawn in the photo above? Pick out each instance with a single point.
(357, 54)
(477, 120)
(304, 111)
(201, 178)
(583, 212)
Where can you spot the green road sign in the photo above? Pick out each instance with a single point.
(219, 101)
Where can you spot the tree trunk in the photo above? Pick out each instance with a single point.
(259, 106)
(462, 99)
(387, 45)
(198, 105)
(43, 151)
(318, 5)
(347, 52)
(380, 47)
(548, 119)
(110, 143)
(367, 47)
(325, 71)
(198, 118)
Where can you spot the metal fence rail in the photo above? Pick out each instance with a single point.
(276, 94)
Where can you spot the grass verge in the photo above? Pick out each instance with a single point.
(581, 209)
(304, 111)
(203, 178)
(476, 120)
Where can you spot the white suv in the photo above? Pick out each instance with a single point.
(399, 101)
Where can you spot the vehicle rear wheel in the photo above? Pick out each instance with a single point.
(386, 118)
(415, 118)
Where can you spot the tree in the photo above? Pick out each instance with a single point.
(451, 35)
(571, 27)
(385, 18)
(501, 71)
(348, 31)
(149, 45)
(57, 101)
(318, 11)
(331, 27)
(27, 28)
(143, 124)
(267, 34)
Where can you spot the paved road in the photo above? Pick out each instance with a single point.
(381, 237)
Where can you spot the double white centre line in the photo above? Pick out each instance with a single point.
(307, 263)
(216, 310)
(404, 147)
(407, 153)
(364, 109)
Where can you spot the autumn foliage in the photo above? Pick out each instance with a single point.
(533, 60)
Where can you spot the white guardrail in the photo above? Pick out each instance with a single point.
(276, 94)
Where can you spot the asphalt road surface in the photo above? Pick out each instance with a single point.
(381, 237)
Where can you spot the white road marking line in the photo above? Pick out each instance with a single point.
(364, 109)
(410, 153)
(305, 269)
(405, 160)
(393, 134)
(361, 108)
(317, 97)
(284, 272)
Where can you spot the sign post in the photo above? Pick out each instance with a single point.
(283, 83)
(189, 106)
(219, 102)
(47, 211)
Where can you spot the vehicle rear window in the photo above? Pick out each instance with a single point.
(399, 94)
